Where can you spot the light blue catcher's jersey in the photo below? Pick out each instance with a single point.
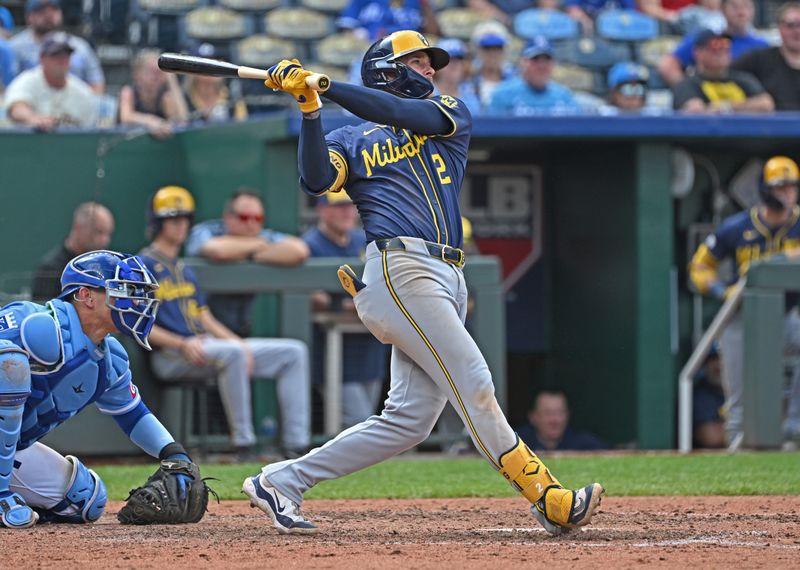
(80, 372)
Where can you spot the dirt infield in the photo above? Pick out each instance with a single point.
(709, 532)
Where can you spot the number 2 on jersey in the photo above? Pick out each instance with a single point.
(441, 169)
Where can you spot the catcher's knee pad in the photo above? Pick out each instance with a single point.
(84, 501)
(15, 387)
(526, 472)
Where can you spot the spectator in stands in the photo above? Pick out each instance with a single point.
(666, 11)
(190, 342)
(739, 17)
(491, 68)
(154, 100)
(505, 10)
(533, 92)
(43, 17)
(92, 227)
(715, 88)
(207, 97)
(627, 90)
(8, 65)
(241, 236)
(374, 19)
(548, 426)
(585, 11)
(778, 68)
(708, 401)
(6, 22)
(49, 96)
(364, 358)
(455, 79)
(704, 14)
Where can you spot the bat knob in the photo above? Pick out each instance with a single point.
(324, 83)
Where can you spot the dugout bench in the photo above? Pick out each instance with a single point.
(91, 433)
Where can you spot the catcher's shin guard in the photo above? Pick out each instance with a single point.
(526, 472)
(84, 500)
(15, 387)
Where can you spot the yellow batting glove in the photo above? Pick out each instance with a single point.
(289, 75)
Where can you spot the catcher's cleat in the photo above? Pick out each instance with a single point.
(15, 513)
(285, 513)
(559, 517)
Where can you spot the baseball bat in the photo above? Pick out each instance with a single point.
(178, 63)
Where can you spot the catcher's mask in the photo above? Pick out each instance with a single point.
(778, 171)
(168, 202)
(129, 285)
(381, 70)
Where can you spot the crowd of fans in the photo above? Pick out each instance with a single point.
(511, 57)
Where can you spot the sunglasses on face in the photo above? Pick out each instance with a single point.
(632, 89)
(244, 217)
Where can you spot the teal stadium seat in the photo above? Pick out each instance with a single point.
(328, 6)
(262, 51)
(552, 24)
(159, 23)
(253, 10)
(626, 26)
(458, 22)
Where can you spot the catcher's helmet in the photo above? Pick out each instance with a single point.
(381, 70)
(129, 285)
(778, 171)
(168, 202)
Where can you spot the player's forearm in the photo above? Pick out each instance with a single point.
(316, 170)
(163, 338)
(420, 116)
(231, 248)
(762, 103)
(291, 251)
(150, 435)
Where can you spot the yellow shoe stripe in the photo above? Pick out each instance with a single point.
(438, 359)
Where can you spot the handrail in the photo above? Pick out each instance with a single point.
(686, 377)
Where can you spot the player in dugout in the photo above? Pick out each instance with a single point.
(403, 169)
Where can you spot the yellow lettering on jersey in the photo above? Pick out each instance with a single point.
(448, 101)
(723, 91)
(389, 152)
(168, 290)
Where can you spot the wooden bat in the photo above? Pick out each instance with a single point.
(178, 63)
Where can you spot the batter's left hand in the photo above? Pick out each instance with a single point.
(289, 75)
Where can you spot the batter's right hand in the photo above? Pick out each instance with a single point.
(192, 350)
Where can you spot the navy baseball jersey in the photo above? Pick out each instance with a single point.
(181, 298)
(745, 238)
(403, 183)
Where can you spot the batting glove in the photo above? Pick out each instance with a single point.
(289, 76)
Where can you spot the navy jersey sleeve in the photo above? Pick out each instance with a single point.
(199, 296)
(456, 112)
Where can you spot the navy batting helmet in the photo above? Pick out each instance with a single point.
(381, 70)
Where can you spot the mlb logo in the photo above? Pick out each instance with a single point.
(8, 321)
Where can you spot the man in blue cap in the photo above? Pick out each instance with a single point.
(533, 92)
(43, 17)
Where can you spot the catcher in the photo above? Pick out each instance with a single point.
(56, 359)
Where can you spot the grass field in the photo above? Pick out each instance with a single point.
(621, 475)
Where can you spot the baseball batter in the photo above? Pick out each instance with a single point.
(57, 359)
(403, 169)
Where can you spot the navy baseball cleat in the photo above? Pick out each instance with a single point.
(285, 513)
(14, 513)
(584, 505)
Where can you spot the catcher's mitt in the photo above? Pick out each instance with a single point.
(160, 500)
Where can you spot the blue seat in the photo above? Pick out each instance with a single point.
(552, 24)
(626, 26)
(592, 53)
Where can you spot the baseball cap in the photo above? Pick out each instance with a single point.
(705, 37)
(340, 198)
(33, 5)
(453, 46)
(56, 42)
(627, 72)
(537, 46)
(490, 34)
